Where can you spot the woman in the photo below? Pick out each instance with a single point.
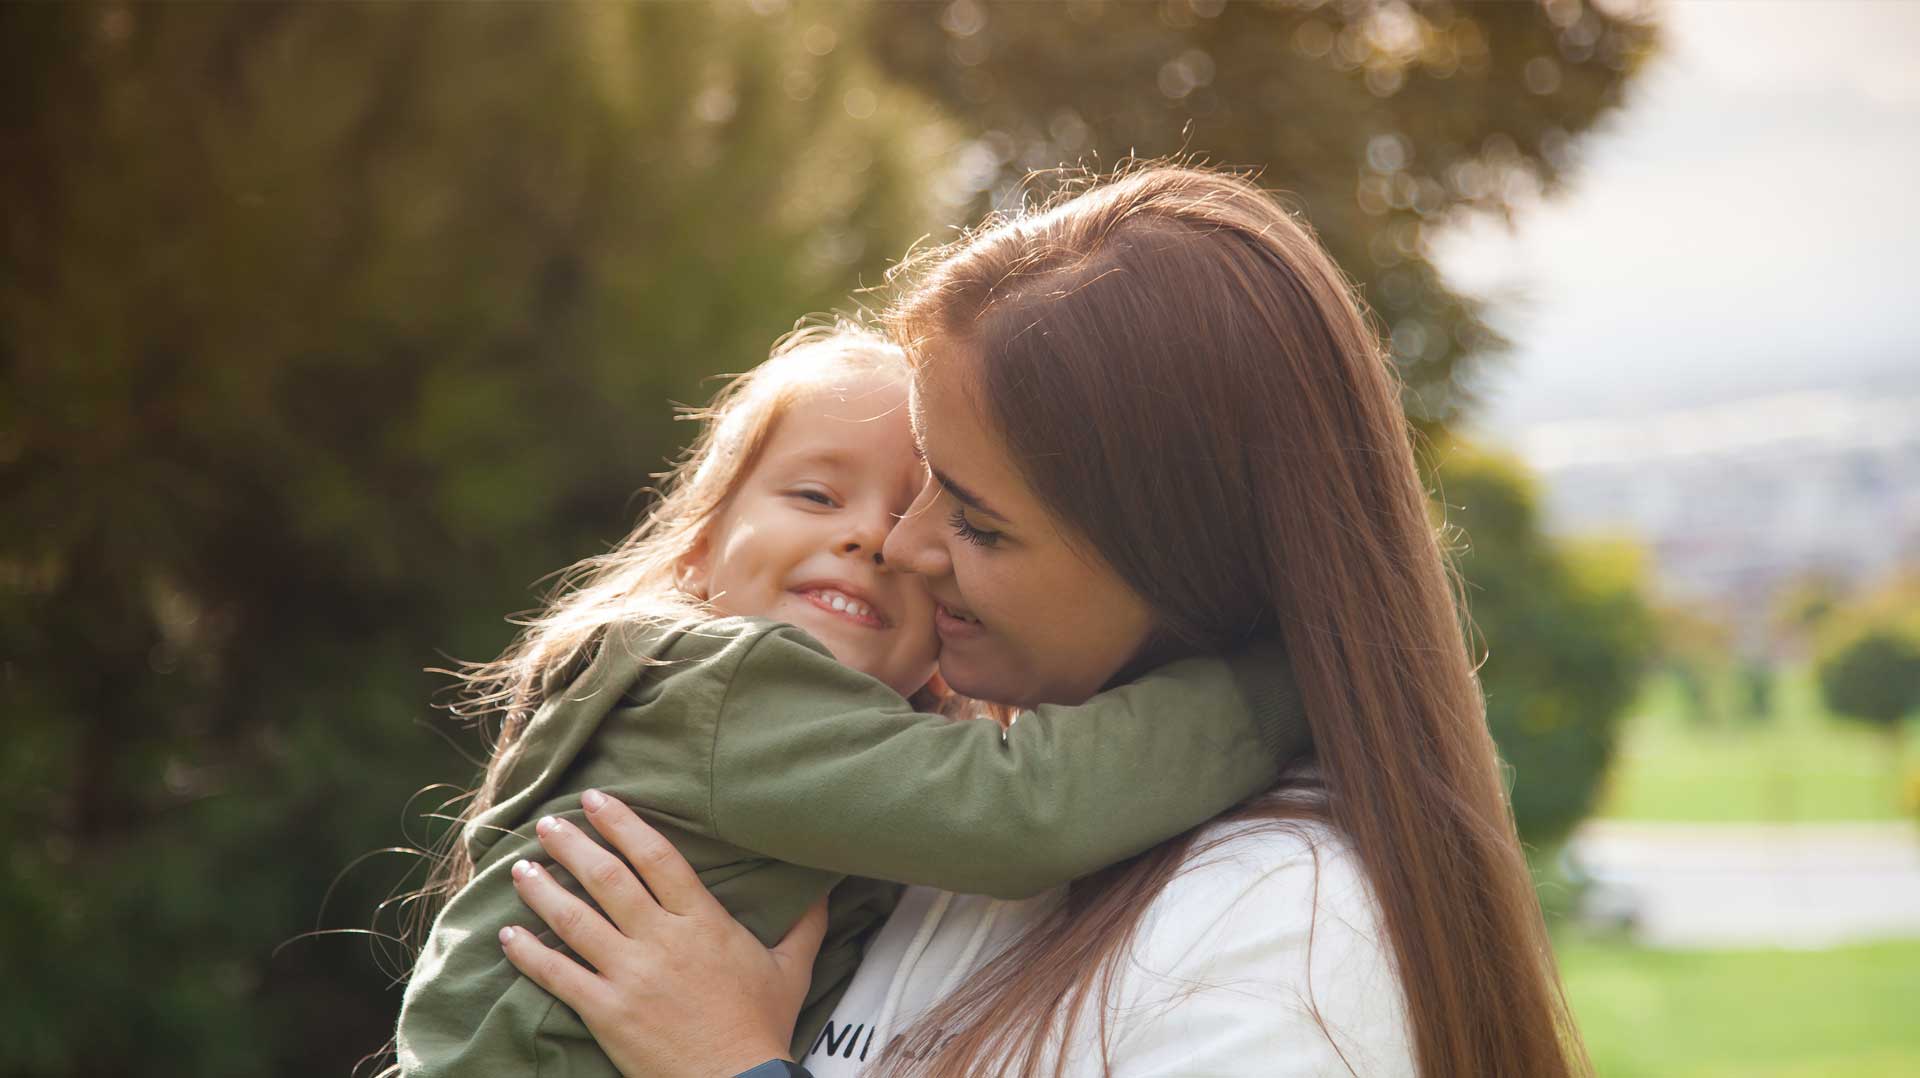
(1156, 423)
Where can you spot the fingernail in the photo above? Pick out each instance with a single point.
(523, 869)
(593, 799)
(506, 934)
(546, 824)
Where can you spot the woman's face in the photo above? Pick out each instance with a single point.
(1024, 616)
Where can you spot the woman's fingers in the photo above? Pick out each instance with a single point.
(565, 979)
(579, 925)
(611, 883)
(690, 994)
(796, 950)
(667, 875)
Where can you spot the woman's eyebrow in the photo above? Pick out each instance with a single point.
(962, 494)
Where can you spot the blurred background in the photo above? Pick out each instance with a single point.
(327, 330)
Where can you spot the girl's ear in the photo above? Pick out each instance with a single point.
(695, 574)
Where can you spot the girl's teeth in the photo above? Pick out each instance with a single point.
(843, 605)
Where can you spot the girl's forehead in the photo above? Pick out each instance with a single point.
(844, 412)
(854, 396)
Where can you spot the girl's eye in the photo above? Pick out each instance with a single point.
(817, 497)
(965, 530)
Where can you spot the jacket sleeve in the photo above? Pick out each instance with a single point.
(819, 765)
(468, 1012)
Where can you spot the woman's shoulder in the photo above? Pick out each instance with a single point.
(1284, 876)
(1267, 944)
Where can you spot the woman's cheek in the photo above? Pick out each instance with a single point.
(989, 591)
(966, 576)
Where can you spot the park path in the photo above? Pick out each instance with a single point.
(1753, 885)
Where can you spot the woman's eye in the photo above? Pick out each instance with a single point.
(964, 529)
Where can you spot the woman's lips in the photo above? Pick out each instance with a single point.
(835, 601)
(952, 625)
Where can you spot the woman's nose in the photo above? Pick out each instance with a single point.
(914, 546)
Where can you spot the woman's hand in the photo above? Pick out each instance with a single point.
(682, 988)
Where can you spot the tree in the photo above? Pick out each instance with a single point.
(1802, 607)
(1383, 121)
(1872, 673)
(1868, 661)
(1566, 637)
(1695, 644)
(327, 329)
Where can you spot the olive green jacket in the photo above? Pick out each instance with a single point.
(781, 774)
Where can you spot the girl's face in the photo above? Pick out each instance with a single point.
(1025, 617)
(800, 540)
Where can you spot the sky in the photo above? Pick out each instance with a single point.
(1748, 225)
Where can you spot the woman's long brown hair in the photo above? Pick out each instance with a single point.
(1190, 384)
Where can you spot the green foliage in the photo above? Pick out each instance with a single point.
(1567, 637)
(326, 328)
(1804, 605)
(1383, 122)
(1871, 672)
(1695, 644)
(1757, 691)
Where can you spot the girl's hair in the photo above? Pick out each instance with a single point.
(638, 579)
(1189, 383)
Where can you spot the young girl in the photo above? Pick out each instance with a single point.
(738, 671)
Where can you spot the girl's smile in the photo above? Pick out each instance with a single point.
(845, 600)
(799, 541)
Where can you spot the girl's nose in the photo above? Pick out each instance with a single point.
(866, 531)
(853, 547)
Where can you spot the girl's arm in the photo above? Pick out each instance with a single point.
(815, 764)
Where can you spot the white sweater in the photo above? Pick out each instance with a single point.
(1233, 962)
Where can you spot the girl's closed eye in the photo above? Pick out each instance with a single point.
(965, 529)
(814, 496)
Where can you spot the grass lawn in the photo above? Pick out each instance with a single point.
(1763, 1013)
(1802, 766)
(1751, 1014)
